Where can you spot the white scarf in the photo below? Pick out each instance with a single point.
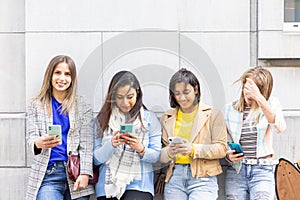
(124, 165)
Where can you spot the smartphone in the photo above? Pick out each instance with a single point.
(237, 147)
(55, 130)
(126, 128)
(176, 140)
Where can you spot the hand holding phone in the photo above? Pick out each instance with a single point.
(179, 145)
(237, 147)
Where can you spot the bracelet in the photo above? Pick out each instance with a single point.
(169, 154)
(143, 151)
(227, 159)
(192, 152)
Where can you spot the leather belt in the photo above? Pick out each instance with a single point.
(259, 161)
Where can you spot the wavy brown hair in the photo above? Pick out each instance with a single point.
(45, 94)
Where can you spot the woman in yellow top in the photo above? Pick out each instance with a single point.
(194, 163)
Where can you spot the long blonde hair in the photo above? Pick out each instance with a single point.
(264, 81)
(45, 94)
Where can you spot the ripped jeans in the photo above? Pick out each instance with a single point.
(254, 182)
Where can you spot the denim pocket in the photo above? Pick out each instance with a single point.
(50, 170)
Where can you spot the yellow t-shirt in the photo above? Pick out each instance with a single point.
(183, 129)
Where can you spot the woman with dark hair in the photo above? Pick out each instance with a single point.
(127, 142)
(251, 121)
(194, 158)
(58, 106)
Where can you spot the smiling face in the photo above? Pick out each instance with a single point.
(126, 97)
(61, 79)
(185, 96)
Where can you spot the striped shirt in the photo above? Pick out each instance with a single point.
(248, 138)
(265, 130)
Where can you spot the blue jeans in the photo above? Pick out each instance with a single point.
(184, 187)
(253, 182)
(55, 184)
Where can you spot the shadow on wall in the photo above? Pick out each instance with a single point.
(99, 67)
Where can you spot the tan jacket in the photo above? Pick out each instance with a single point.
(208, 137)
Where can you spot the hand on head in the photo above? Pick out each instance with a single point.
(251, 91)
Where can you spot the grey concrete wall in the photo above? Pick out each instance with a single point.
(217, 40)
(13, 171)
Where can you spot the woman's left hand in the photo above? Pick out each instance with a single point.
(81, 181)
(133, 141)
(185, 148)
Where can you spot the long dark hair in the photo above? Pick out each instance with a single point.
(120, 79)
(187, 77)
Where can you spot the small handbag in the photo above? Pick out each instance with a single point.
(73, 169)
(73, 165)
(159, 182)
(160, 170)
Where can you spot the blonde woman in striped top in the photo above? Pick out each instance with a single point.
(251, 121)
